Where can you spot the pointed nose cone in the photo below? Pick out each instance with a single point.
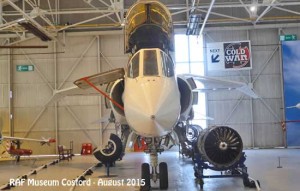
(153, 109)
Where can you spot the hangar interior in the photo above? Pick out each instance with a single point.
(87, 37)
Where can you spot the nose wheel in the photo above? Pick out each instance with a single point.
(162, 176)
(146, 176)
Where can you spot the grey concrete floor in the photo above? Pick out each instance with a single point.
(262, 165)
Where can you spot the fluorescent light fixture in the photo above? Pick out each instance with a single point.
(193, 26)
(253, 8)
(34, 29)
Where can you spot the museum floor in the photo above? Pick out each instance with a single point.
(262, 165)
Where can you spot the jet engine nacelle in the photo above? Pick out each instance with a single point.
(115, 91)
(187, 97)
(221, 146)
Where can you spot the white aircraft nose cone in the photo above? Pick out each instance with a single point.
(153, 109)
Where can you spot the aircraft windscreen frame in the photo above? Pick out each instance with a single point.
(154, 62)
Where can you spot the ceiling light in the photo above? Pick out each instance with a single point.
(253, 8)
(193, 26)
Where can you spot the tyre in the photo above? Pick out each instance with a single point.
(246, 182)
(163, 176)
(146, 176)
(112, 152)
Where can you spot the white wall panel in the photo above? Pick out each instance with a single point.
(259, 58)
(79, 100)
(44, 66)
(35, 53)
(4, 118)
(264, 38)
(24, 117)
(114, 62)
(262, 115)
(4, 96)
(31, 95)
(86, 114)
(221, 95)
(112, 45)
(268, 135)
(3, 68)
(220, 111)
(4, 91)
(214, 36)
(31, 89)
(245, 132)
(87, 66)
(75, 46)
(258, 116)
(268, 86)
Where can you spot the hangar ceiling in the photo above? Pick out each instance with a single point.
(55, 16)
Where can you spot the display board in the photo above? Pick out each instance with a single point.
(291, 71)
(229, 55)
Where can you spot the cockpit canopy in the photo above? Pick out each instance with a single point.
(148, 25)
(150, 62)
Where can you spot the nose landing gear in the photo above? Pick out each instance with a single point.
(160, 173)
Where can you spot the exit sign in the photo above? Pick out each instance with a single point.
(25, 68)
(289, 37)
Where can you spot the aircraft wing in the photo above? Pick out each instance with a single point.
(83, 88)
(42, 141)
(70, 91)
(294, 106)
(211, 84)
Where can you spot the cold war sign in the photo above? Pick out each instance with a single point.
(237, 55)
(229, 56)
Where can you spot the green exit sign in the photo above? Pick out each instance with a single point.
(25, 68)
(289, 37)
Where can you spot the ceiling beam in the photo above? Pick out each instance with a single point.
(85, 21)
(34, 22)
(206, 17)
(1, 12)
(40, 12)
(287, 10)
(265, 11)
(97, 8)
(234, 5)
(245, 7)
(30, 46)
(226, 16)
(113, 5)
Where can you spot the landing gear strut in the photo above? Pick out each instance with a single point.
(158, 172)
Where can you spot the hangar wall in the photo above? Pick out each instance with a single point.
(56, 68)
(4, 90)
(257, 120)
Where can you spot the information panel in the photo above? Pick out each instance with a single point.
(229, 56)
(291, 70)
